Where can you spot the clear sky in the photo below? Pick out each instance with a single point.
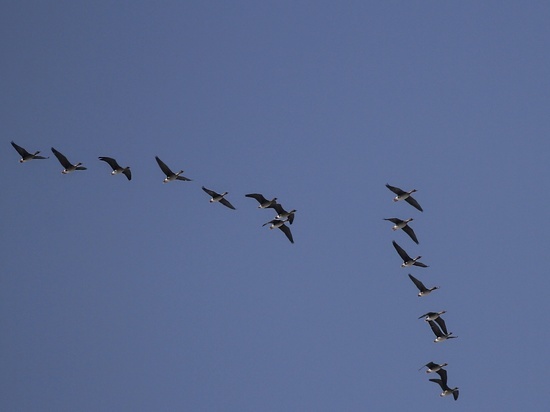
(143, 296)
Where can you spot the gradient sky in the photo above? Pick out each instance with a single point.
(140, 296)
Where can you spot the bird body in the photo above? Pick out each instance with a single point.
(445, 388)
(441, 334)
(433, 367)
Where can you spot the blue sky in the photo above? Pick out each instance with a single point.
(140, 296)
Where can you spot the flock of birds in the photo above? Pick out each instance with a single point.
(434, 319)
(278, 222)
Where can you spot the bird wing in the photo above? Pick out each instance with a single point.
(20, 150)
(127, 173)
(408, 230)
(431, 365)
(166, 170)
(394, 220)
(183, 178)
(439, 382)
(112, 162)
(418, 283)
(260, 198)
(395, 190)
(435, 329)
(441, 324)
(420, 264)
(62, 159)
(210, 192)
(286, 231)
(443, 373)
(290, 218)
(425, 314)
(455, 394)
(412, 201)
(81, 168)
(401, 252)
(40, 157)
(279, 208)
(225, 202)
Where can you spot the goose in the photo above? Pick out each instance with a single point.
(276, 223)
(406, 196)
(217, 197)
(69, 167)
(283, 214)
(264, 203)
(407, 260)
(441, 335)
(170, 176)
(446, 390)
(433, 367)
(403, 224)
(423, 290)
(116, 167)
(26, 156)
(432, 315)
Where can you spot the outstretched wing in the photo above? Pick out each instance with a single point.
(412, 201)
(401, 251)
(417, 283)
(441, 324)
(62, 159)
(225, 202)
(260, 198)
(395, 190)
(408, 230)
(127, 173)
(20, 150)
(112, 162)
(165, 169)
(210, 192)
(286, 231)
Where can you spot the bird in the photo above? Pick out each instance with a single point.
(276, 223)
(282, 214)
(432, 315)
(169, 174)
(446, 390)
(433, 367)
(217, 197)
(441, 335)
(403, 224)
(423, 290)
(406, 196)
(26, 156)
(69, 167)
(407, 260)
(264, 203)
(116, 167)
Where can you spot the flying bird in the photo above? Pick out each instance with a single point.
(26, 156)
(441, 335)
(423, 290)
(403, 224)
(217, 197)
(433, 367)
(407, 260)
(406, 196)
(116, 167)
(446, 390)
(432, 316)
(276, 223)
(69, 167)
(282, 214)
(170, 176)
(264, 203)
